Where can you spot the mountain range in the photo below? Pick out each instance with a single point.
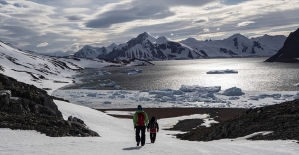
(147, 47)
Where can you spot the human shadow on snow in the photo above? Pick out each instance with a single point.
(132, 148)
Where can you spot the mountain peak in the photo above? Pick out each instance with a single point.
(111, 47)
(146, 36)
(191, 39)
(162, 40)
(236, 35)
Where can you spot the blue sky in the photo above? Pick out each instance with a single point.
(47, 26)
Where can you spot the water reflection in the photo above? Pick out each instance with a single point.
(253, 74)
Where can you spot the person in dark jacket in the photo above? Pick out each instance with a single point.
(153, 128)
(140, 121)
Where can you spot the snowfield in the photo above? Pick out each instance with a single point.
(117, 137)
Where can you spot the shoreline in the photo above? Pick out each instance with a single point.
(219, 114)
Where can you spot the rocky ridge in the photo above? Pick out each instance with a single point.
(290, 50)
(282, 120)
(26, 107)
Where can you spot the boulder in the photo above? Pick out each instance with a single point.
(26, 107)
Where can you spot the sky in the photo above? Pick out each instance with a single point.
(66, 26)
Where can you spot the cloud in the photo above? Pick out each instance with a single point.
(232, 2)
(63, 23)
(206, 30)
(74, 17)
(18, 5)
(214, 7)
(42, 44)
(126, 13)
(17, 31)
(192, 3)
(75, 10)
(200, 21)
(245, 23)
(3, 2)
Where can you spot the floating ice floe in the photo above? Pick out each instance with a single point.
(186, 96)
(227, 71)
(132, 71)
(234, 91)
(104, 72)
(186, 88)
(110, 84)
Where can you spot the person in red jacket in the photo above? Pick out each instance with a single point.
(153, 128)
(140, 121)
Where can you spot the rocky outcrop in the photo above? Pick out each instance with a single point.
(290, 51)
(282, 119)
(29, 92)
(26, 107)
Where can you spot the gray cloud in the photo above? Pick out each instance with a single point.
(108, 18)
(232, 2)
(74, 17)
(140, 9)
(183, 2)
(200, 21)
(18, 31)
(3, 2)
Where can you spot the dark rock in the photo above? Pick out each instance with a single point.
(31, 108)
(4, 98)
(282, 119)
(186, 125)
(290, 50)
(75, 119)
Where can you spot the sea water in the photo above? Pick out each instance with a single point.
(253, 75)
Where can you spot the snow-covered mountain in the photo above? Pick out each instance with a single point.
(238, 45)
(42, 71)
(58, 54)
(147, 47)
(93, 52)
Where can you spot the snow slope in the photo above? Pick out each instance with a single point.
(117, 137)
(45, 72)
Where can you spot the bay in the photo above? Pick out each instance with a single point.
(253, 75)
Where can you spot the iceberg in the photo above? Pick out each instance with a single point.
(227, 71)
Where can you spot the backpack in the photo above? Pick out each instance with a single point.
(152, 125)
(140, 119)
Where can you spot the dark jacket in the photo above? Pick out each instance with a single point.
(153, 125)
